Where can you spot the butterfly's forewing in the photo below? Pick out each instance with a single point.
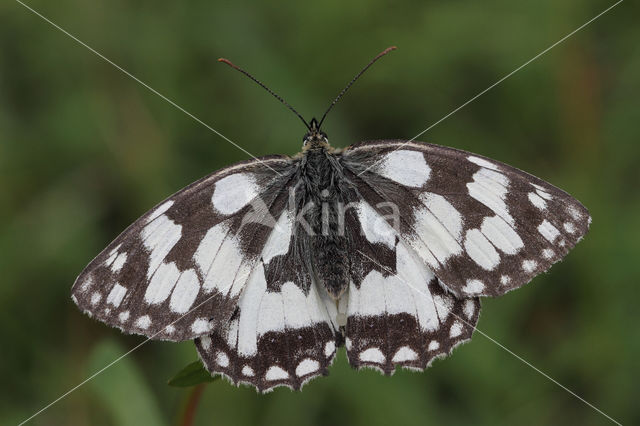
(483, 227)
(179, 269)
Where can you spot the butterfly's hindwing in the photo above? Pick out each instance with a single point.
(282, 333)
(483, 227)
(410, 327)
(397, 313)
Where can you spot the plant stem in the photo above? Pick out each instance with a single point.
(192, 405)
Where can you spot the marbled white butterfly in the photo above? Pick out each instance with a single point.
(386, 246)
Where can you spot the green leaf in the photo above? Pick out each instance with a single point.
(122, 389)
(191, 375)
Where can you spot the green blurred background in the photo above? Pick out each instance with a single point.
(85, 150)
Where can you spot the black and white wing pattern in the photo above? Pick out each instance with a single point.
(179, 270)
(481, 226)
(283, 332)
(397, 313)
(230, 262)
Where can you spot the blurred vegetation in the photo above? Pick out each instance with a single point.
(85, 150)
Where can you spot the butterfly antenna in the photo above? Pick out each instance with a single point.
(275, 95)
(378, 56)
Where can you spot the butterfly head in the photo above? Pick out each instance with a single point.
(315, 138)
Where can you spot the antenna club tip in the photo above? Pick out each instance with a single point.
(225, 61)
(384, 52)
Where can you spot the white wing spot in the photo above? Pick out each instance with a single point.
(480, 250)
(247, 371)
(115, 249)
(375, 228)
(444, 211)
(279, 238)
(443, 306)
(222, 359)
(406, 167)
(372, 355)
(473, 287)
(433, 234)
(276, 373)
(162, 283)
(456, 329)
(95, 298)
(482, 162)
(271, 315)
(370, 298)
(569, 227)
(111, 258)
(433, 345)
(205, 341)
(220, 260)
(547, 230)
(170, 329)
(123, 316)
(233, 192)
(160, 210)
(116, 295)
(86, 284)
(469, 308)
(329, 348)
(209, 246)
(307, 366)
(541, 192)
(505, 279)
(574, 213)
(490, 188)
(548, 253)
(118, 263)
(501, 235)
(200, 325)
(159, 237)
(250, 313)
(143, 322)
(405, 353)
(294, 304)
(348, 344)
(185, 292)
(537, 201)
(529, 265)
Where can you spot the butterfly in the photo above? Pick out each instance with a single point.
(385, 247)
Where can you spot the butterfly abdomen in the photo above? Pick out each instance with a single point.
(323, 183)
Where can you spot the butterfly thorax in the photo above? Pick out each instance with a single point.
(324, 191)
